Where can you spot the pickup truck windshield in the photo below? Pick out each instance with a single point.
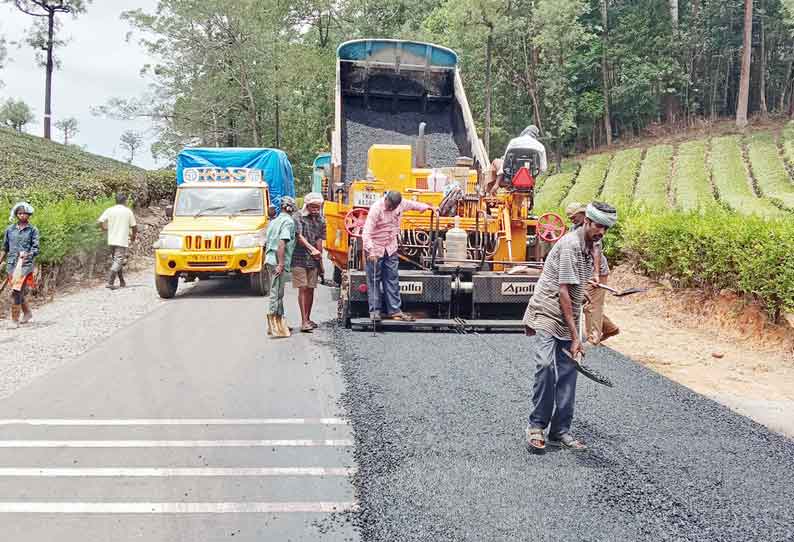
(219, 201)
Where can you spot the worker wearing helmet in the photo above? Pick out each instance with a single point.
(527, 139)
(20, 248)
(307, 259)
(380, 245)
(598, 325)
(278, 258)
(552, 317)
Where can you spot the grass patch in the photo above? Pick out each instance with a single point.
(769, 170)
(690, 183)
(732, 179)
(589, 181)
(553, 189)
(651, 191)
(787, 142)
(619, 184)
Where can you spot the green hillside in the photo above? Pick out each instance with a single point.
(750, 174)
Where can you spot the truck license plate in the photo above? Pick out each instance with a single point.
(518, 288)
(411, 288)
(365, 198)
(207, 257)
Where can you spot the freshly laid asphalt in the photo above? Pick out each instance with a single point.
(439, 422)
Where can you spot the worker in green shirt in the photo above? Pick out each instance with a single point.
(278, 256)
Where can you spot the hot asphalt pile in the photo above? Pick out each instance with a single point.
(439, 420)
(364, 128)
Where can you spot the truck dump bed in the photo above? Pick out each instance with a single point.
(385, 89)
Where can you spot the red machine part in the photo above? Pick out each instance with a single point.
(550, 227)
(523, 180)
(354, 221)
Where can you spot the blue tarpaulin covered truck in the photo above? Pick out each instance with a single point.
(220, 215)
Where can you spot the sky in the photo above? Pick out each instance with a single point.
(97, 64)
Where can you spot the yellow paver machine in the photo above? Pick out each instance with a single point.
(402, 122)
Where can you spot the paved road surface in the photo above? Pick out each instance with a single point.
(188, 425)
(439, 422)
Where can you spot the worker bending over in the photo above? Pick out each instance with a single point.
(552, 316)
(598, 325)
(380, 246)
(526, 141)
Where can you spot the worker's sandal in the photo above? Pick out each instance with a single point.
(402, 316)
(536, 440)
(567, 441)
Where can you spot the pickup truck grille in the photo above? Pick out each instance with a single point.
(215, 242)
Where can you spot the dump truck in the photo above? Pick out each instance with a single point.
(220, 215)
(402, 122)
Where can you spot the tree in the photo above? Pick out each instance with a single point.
(15, 114)
(604, 71)
(3, 55)
(69, 128)
(131, 141)
(744, 78)
(43, 37)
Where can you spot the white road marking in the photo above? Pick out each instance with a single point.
(169, 443)
(178, 471)
(174, 507)
(174, 421)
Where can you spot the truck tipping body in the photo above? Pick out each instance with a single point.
(384, 90)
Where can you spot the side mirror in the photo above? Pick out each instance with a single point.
(169, 212)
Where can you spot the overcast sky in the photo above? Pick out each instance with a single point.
(97, 64)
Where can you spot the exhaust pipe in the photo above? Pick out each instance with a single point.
(420, 157)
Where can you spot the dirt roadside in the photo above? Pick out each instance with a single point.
(717, 345)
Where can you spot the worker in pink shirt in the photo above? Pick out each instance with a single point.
(380, 248)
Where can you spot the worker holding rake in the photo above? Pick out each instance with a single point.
(20, 248)
(552, 317)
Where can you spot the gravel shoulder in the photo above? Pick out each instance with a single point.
(70, 325)
(438, 421)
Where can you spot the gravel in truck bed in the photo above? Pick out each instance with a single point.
(439, 427)
(364, 128)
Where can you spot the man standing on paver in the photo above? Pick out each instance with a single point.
(307, 258)
(599, 327)
(20, 247)
(122, 229)
(278, 258)
(552, 316)
(380, 246)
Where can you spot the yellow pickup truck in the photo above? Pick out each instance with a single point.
(219, 217)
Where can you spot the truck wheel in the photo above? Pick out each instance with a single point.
(260, 283)
(166, 286)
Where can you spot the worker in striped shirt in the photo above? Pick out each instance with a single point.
(552, 317)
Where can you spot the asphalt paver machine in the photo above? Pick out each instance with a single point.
(402, 122)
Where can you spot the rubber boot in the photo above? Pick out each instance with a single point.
(122, 282)
(270, 324)
(27, 314)
(280, 329)
(111, 280)
(15, 310)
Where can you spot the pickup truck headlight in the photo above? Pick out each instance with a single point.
(169, 242)
(250, 240)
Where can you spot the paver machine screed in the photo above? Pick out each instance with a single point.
(402, 122)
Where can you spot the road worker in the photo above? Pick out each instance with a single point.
(278, 258)
(552, 318)
(527, 140)
(380, 245)
(20, 248)
(307, 258)
(598, 325)
(119, 223)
